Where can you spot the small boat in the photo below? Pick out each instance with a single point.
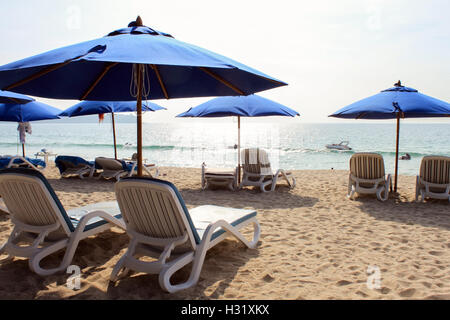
(343, 146)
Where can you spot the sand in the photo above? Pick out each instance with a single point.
(315, 244)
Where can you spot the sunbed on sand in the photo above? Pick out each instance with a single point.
(41, 222)
(117, 169)
(367, 176)
(433, 180)
(113, 168)
(257, 171)
(22, 162)
(160, 226)
(218, 177)
(71, 165)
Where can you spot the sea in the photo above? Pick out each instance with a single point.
(294, 146)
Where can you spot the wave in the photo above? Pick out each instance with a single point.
(212, 148)
(87, 145)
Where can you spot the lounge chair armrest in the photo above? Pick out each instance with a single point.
(429, 185)
(231, 229)
(102, 214)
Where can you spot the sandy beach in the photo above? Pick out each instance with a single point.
(315, 244)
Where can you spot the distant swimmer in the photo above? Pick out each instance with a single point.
(405, 157)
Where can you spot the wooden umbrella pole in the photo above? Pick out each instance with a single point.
(139, 119)
(396, 151)
(114, 135)
(23, 150)
(239, 150)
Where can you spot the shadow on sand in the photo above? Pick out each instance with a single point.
(281, 198)
(400, 209)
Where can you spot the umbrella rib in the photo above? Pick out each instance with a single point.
(15, 100)
(161, 83)
(222, 80)
(100, 77)
(40, 73)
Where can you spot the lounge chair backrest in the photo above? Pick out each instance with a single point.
(435, 169)
(256, 161)
(365, 165)
(31, 200)
(154, 208)
(108, 164)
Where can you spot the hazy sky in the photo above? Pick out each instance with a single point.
(331, 53)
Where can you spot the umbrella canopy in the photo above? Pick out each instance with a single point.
(11, 97)
(23, 113)
(85, 108)
(136, 62)
(240, 106)
(407, 102)
(395, 103)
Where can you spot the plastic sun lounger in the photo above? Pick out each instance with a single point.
(21, 162)
(257, 171)
(160, 226)
(117, 169)
(433, 180)
(112, 168)
(218, 177)
(367, 176)
(43, 224)
(71, 165)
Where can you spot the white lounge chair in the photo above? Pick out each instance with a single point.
(434, 178)
(112, 168)
(367, 176)
(257, 171)
(71, 165)
(147, 166)
(160, 226)
(218, 177)
(41, 222)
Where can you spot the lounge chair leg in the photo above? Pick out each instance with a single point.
(352, 193)
(380, 192)
(35, 260)
(199, 257)
(117, 268)
(2, 250)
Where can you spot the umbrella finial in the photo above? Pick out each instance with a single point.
(398, 84)
(137, 23)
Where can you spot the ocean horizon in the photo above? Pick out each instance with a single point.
(293, 146)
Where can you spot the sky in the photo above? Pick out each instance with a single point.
(331, 53)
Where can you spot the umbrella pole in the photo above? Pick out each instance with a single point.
(139, 120)
(396, 151)
(114, 135)
(23, 150)
(239, 150)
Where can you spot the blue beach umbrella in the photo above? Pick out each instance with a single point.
(395, 103)
(12, 97)
(136, 62)
(239, 106)
(22, 113)
(85, 108)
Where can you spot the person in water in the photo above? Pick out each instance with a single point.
(405, 157)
